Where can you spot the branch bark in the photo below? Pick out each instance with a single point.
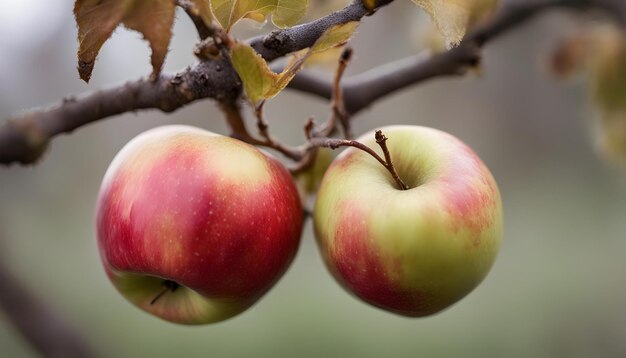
(23, 139)
(361, 91)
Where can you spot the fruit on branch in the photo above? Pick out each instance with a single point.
(414, 252)
(194, 227)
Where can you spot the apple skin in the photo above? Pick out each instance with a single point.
(412, 252)
(212, 214)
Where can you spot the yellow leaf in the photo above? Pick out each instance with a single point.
(284, 12)
(261, 83)
(335, 36)
(256, 75)
(326, 60)
(97, 19)
(454, 17)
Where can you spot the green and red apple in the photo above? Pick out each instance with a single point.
(194, 227)
(414, 252)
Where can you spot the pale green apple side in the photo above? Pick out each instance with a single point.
(184, 305)
(417, 239)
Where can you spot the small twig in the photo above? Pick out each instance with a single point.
(338, 105)
(269, 141)
(234, 119)
(334, 143)
(206, 49)
(236, 122)
(338, 112)
(381, 139)
(338, 108)
(261, 123)
(310, 152)
(204, 30)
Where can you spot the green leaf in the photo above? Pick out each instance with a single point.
(253, 70)
(261, 83)
(97, 19)
(285, 13)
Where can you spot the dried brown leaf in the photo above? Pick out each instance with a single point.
(97, 19)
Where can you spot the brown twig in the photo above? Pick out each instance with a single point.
(269, 141)
(334, 143)
(362, 90)
(338, 108)
(381, 139)
(337, 113)
(236, 122)
(204, 30)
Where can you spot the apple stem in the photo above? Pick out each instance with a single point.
(167, 286)
(381, 139)
(334, 143)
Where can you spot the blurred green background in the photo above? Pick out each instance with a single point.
(558, 288)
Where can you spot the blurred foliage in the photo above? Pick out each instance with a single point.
(599, 50)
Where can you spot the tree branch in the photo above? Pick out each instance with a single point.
(44, 329)
(282, 42)
(362, 90)
(23, 139)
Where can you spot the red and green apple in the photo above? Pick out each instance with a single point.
(414, 252)
(195, 227)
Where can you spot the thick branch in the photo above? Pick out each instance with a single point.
(362, 90)
(23, 139)
(45, 330)
(282, 42)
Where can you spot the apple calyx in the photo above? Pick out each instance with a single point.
(168, 285)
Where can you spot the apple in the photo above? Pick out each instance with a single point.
(195, 227)
(413, 252)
